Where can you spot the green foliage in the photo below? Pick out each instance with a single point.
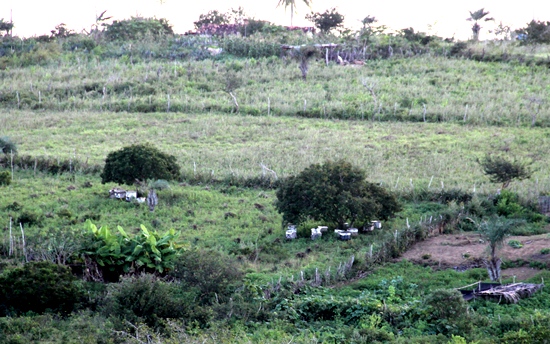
(5, 26)
(446, 312)
(326, 21)
(536, 32)
(143, 298)
(139, 162)
(515, 244)
(5, 178)
(213, 274)
(545, 251)
(510, 205)
(252, 47)
(137, 28)
(418, 37)
(121, 253)
(7, 146)
(503, 170)
(212, 17)
(38, 287)
(334, 192)
(29, 218)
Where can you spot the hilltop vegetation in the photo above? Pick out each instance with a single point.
(419, 116)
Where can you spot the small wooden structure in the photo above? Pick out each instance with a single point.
(510, 293)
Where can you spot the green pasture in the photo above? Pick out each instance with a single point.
(399, 155)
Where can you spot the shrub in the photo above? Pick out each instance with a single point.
(335, 193)
(446, 312)
(143, 298)
(5, 178)
(139, 162)
(29, 218)
(545, 251)
(137, 28)
(210, 272)
(38, 287)
(118, 252)
(515, 244)
(7, 146)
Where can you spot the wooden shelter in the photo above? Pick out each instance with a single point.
(510, 293)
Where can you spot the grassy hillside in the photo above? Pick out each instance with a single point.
(416, 122)
(399, 155)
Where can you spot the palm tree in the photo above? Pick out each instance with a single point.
(292, 4)
(476, 16)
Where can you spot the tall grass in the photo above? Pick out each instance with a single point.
(421, 89)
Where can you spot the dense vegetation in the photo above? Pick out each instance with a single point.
(406, 131)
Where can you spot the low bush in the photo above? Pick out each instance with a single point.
(38, 287)
(515, 244)
(212, 274)
(143, 298)
(7, 146)
(5, 178)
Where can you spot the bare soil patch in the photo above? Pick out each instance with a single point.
(464, 251)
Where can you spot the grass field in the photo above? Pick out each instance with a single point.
(398, 155)
(416, 125)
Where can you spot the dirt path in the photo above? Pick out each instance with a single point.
(466, 250)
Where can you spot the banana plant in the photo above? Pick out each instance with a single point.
(146, 251)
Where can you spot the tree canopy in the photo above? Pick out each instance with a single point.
(503, 170)
(327, 20)
(334, 192)
(139, 162)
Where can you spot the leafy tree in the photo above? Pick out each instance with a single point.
(234, 16)
(5, 26)
(212, 17)
(139, 163)
(368, 30)
(137, 28)
(326, 21)
(38, 287)
(292, 4)
(477, 16)
(334, 192)
(502, 170)
(535, 32)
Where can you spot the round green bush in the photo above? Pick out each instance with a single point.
(139, 162)
(143, 298)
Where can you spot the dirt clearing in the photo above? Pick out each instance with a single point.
(465, 251)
